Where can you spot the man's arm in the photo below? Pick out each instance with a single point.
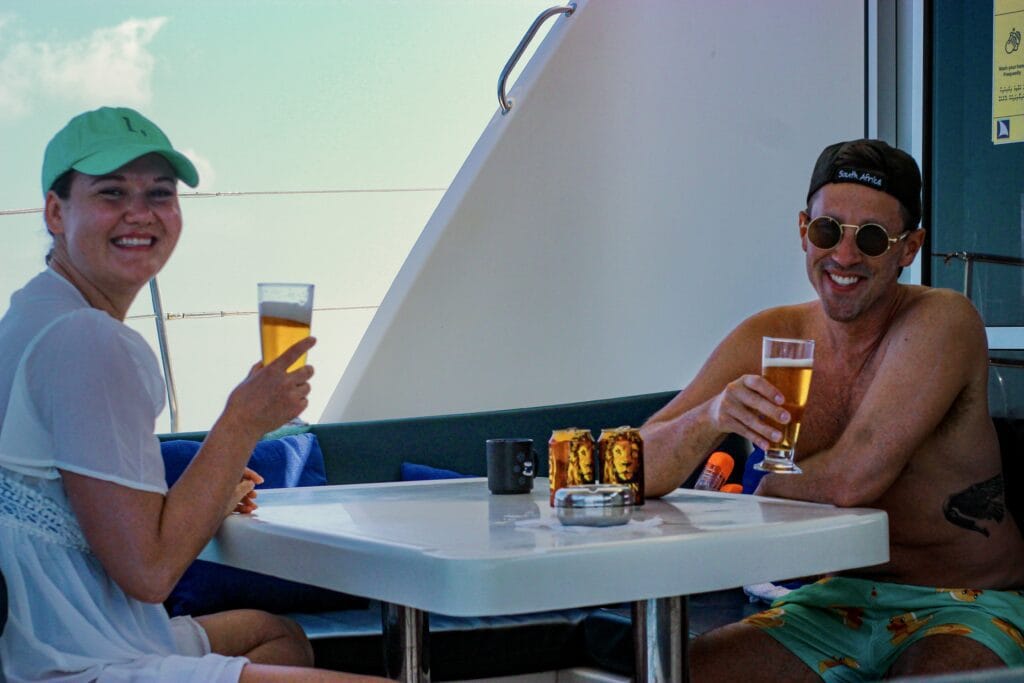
(932, 355)
(728, 395)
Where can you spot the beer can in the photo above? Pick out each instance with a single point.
(570, 459)
(621, 459)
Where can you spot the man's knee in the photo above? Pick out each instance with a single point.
(743, 652)
(944, 653)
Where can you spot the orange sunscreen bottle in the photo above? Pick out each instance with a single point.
(716, 471)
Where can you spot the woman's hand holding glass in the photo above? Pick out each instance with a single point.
(271, 396)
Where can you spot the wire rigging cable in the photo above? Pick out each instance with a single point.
(258, 193)
(229, 314)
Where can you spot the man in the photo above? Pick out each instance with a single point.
(897, 419)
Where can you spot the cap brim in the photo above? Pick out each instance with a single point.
(113, 159)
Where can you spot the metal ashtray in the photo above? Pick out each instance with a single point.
(594, 505)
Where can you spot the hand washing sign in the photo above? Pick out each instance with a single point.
(1007, 72)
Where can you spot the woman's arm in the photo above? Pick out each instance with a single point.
(145, 540)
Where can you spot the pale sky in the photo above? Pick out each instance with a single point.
(264, 96)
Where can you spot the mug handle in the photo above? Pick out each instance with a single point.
(528, 467)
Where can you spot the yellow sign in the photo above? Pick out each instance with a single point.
(1007, 72)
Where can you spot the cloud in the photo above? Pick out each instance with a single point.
(207, 176)
(111, 66)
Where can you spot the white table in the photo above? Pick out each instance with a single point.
(451, 547)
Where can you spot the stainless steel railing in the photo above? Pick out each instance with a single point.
(165, 356)
(503, 100)
(970, 258)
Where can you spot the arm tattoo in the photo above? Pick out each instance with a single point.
(980, 501)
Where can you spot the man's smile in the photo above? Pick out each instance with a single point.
(843, 281)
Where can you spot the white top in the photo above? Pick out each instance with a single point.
(451, 547)
(79, 391)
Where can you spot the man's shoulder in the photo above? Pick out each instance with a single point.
(936, 304)
(939, 319)
(935, 295)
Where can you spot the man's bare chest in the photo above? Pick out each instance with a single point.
(834, 397)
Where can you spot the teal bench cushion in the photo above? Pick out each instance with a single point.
(365, 452)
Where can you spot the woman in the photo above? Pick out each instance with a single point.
(91, 539)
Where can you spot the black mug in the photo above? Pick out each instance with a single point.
(511, 464)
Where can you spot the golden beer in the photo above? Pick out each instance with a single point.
(278, 334)
(286, 311)
(788, 364)
(791, 376)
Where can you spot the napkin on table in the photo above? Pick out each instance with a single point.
(765, 592)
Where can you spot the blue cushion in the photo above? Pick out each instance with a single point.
(415, 472)
(294, 460)
(752, 477)
(206, 587)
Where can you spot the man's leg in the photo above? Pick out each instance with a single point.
(262, 637)
(942, 654)
(741, 652)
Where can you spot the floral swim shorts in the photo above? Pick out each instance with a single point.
(850, 629)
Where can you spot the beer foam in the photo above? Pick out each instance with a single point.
(287, 310)
(787, 362)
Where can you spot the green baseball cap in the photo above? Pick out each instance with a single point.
(104, 140)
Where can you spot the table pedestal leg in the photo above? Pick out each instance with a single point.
(660, 636)
(406, 643)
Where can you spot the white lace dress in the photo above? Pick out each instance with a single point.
(79, 391)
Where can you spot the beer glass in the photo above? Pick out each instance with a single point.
(286, 311)
(787, 364)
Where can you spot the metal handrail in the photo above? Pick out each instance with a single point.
(503, 101)
(165, 358)
(970, 258)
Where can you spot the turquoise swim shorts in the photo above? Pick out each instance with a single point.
(850, 629)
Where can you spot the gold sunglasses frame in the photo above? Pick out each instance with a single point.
(857, 228)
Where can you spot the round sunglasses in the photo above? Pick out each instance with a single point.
(826, 232)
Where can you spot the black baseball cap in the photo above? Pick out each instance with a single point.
(873, 163)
